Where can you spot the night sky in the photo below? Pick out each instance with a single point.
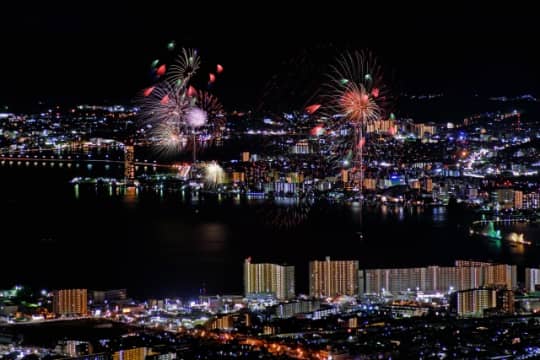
(96, 53)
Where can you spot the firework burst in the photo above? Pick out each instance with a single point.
(163, 112)
(169, 138)
(174, 113)
(214, 174)
(215, 114)
(355, 96)
(184, 68)
(356, 89)
(164, 103)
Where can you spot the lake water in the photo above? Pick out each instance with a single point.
(161, 243)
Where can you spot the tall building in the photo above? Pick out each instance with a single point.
(295, 177)
(238, 177)
(345, 175)
(473, 302)
(427, 184)
(129, 164)
(531, 200)
(269, 278)
(532, 279)
(74, 348)
(139, 353)
(100, 296)
(370, 184)
(518, 199)
(502, 198)
(500, 275)
(333, 277)
(224, 322)
(465, 275)
(70, 302)
(506, 301)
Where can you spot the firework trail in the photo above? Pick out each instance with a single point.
(355, 96)
(173, 112)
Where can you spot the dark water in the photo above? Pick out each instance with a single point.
(164, 244)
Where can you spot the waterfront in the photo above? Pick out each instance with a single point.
(162, 243)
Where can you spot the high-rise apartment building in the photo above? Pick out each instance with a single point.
(70, 302)
(465, 275)
(518, 199)
(139, 353)
(333, 277)
(473, 302)
(269, 278)
(532, 279)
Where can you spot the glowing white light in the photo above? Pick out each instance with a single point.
(196, 117)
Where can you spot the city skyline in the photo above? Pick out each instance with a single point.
(269, 181)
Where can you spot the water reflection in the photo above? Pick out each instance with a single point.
(130, 195)
(211, 238)
(438, 214)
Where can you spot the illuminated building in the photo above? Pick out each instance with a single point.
(465, 275)
(283, 187)
(245, 156)
(532, 279)
(224, 322)
(301, 147)
(156, 304)
(129, 164)
(502, 198)
(269, 330)
(414, 184)
(290, 309)
(295, 177)
(352, 322)
(506, 301)
(473, 302)
(531, 200)
(164, 356)
(424, 129)
(345, 175)
(518, 199)
(427, 184)
(219, 303)
(500, 275)
(139, 353)
(109, 295)
(380, 126)
(70, 302)
(370, 184)
(97, 356)
(238, 177)
(462, 263)
(333, 277)
(74, 348)
(269, 279)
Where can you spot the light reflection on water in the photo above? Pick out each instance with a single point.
(213, 237)
(184, 240)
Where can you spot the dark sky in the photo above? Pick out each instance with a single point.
(97, 52)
